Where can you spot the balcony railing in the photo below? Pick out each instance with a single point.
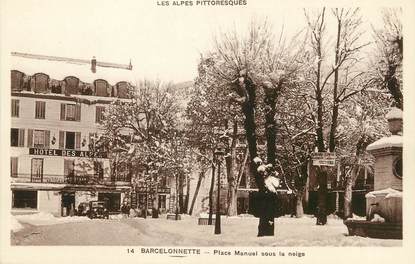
(86, 179)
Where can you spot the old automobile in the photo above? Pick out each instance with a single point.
(98, 209)
(83, 209)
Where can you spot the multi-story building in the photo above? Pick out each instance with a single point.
(57, 105)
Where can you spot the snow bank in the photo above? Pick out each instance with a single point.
(388, 193)
(15, 225)
(386, 142)
(356, 217)
(394, 195)
(205, 215)
(116, 217)
(43, 218)
(394, 113)
(378, 218)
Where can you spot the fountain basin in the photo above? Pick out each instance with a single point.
(386, 203)
(383, 230)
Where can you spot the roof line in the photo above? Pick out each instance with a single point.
(71, 60)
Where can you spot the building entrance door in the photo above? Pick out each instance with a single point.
(68, 203)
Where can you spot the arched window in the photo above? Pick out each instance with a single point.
(101, 87)
(71, 85)
(17, 80)
(41, 83)
(122, 90)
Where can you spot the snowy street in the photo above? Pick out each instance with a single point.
(236, 231)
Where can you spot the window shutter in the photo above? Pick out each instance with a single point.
(63, 111)
(16, 80)
(21, 137)
(78, 112)
(77, 140)
(13, 166)
(68, 167)
(15, 108)
(30, 138)
(61, 139)
(47, 139)
(40, 109)
(43, 109)
(97, 113)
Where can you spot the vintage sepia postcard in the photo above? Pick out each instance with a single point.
(206, 131)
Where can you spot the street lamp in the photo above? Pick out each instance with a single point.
(218, 152)
(147, 191)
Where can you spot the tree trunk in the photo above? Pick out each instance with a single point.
(266, 221)
(348, 213)
(270, 124)
(335, 112)
(199, 182)
(212, 185)
(155, 209)
(186, 199)
(181, 200)
(230, 171)
(232, 201)
(299, 211)
(348, 191)
(322, 196)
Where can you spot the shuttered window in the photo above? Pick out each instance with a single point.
(17, 137)
(41, 82)
(13, 166)
(101, 88)
(40, 108)
(71, 112)
(99, 116)
(16, 80)
(37, 170)
(71, 85)
(69, 140)
(15, 108)
(69, 167)
(38, 138)
(122, 90)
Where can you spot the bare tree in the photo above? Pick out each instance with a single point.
(255, 68)
(346, 55)
(389, 44)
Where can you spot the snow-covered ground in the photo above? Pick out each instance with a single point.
(42, 218)
(236, 231)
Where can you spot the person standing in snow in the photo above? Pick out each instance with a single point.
(125, 209)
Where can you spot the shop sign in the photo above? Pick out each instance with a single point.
(66, 153)
(324, 158)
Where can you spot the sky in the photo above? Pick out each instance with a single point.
(163, 42)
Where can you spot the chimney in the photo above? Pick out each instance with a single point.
(94, 65)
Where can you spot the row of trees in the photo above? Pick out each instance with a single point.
(270, 101)
(326, 90)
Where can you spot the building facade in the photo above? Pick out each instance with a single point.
(57, 105)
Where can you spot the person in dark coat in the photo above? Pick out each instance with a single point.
(125, 209)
